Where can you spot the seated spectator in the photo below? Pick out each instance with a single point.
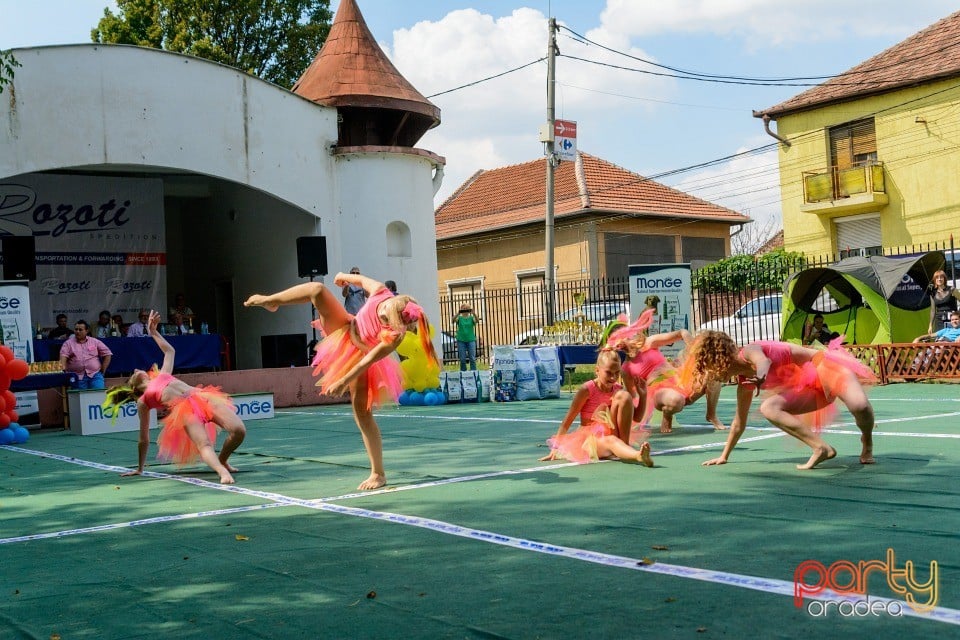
(949, 333)
(61, 331)
(177, 327)
(817, 331)
(180, 306)
(85, 356)
(102, 330)
(116, 325)
(138, 329)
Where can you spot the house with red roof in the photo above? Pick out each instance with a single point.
(869, 159)
(491, 230)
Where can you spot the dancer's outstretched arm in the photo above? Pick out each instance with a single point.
(169, 353)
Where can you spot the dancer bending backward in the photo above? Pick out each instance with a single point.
(605, 410)
(190, 428)
(800, 386)
(652, 380)
(353, 354)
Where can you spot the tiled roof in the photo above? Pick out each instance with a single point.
(775, 242)
(516, 195)
(931, 54)
(351, 70)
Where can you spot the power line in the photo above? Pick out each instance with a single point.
(476, 82)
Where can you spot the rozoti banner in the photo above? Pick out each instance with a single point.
(100, 243)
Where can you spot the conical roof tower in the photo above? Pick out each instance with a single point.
(376, 105)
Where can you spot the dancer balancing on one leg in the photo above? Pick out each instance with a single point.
(190, 428)
(353, 356)
(799, 384)
(605, 411)
(652, 380)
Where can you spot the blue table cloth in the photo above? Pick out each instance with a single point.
(193, 351)
(36, 381)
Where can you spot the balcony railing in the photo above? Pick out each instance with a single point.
(846, 189)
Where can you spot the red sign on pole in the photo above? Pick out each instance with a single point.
(565, 139)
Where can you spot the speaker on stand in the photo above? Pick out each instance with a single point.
(19, 258)
(312, 262)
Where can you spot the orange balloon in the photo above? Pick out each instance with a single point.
(17, 369)
(4, 377)
(6, 352)
(12, 415)
(11, 400)
(4, 421)
(3, 404)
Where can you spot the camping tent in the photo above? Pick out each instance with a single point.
(870, 300)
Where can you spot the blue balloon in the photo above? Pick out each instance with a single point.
(404, 398)
(20, 435)
(416, 398)
(7, 436)
(430, 398)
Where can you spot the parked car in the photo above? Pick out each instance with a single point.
(759, 319)
(599, 311)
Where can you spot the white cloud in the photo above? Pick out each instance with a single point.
(497, 122)
(761, 23)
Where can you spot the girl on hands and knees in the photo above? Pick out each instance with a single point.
(799, 387)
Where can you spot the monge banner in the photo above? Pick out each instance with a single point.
(665, 288)
(100, 243)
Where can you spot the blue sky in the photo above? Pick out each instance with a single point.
(646, 124)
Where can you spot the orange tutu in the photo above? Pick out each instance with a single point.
(174, 442)
(337, 354)
(581, 445)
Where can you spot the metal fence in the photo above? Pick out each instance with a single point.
(512, 315)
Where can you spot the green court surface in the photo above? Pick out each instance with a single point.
(474, 538)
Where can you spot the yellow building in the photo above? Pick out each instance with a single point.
(490, 232)
(870, 158)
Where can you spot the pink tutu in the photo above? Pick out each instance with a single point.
(581, 445)
(337, 354)
(174, 442)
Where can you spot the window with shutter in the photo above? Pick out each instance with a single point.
(853, 144)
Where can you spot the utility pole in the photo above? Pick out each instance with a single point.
(547, 136)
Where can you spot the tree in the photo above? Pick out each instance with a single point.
(273, 39)
(751, 237)
(7, 64)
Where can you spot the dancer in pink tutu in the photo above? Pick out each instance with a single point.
(799, 384)
(652, 380)
(353, 355)
(605, 411)
(194, 414)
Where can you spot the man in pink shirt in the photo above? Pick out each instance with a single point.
(85, 356)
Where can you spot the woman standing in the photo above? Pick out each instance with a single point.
(943, 300)
(465, 324)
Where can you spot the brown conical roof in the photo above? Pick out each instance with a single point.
(352, 71)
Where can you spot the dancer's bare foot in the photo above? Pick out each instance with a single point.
(375, 481)
(226, 478)
(819, 455)
(230, 467)
(666, 425)
(257, 300)
(643, 455)
(866, 451)
(717, 425)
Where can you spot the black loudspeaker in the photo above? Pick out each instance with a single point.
(311, 256)
(289, 350)
(19, 258)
